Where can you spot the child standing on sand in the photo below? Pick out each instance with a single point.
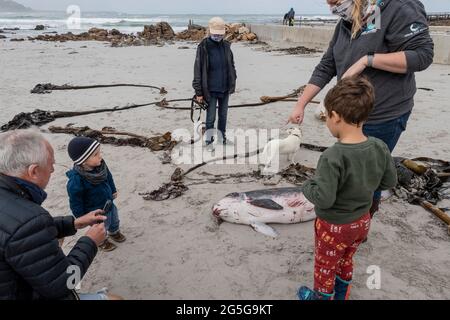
(91, 185)
(347, 175)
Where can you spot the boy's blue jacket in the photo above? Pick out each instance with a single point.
(84, 196)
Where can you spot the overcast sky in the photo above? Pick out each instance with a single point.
(204, 6)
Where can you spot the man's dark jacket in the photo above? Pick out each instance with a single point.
(32, 265)
(200, 82)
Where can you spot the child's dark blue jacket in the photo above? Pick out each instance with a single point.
(84, 196)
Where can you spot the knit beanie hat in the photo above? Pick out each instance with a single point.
(81, 148)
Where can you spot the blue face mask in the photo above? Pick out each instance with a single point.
(216, 37)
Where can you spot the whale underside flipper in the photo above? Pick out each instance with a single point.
(264, 229)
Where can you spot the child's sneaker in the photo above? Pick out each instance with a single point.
(107, 246)
(118, 237)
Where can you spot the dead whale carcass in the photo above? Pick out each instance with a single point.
(256, 208)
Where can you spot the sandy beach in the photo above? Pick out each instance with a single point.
(175, 249)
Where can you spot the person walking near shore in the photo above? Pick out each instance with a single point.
(291, 17)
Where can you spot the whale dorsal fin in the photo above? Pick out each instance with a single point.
(264, 229)
(266, 203)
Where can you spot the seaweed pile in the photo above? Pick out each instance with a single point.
(25, 120)
(422, 179)
(295, 50)
(107, 136)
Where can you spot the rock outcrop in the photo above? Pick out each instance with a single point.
(238, 32)
(151, 35)
(160, 31)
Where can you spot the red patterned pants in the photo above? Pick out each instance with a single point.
(335, 245)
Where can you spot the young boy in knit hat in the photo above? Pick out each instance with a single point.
(91, 185)
(347, 175)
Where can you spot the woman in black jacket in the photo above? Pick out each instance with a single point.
(215, 78)
(387, 41)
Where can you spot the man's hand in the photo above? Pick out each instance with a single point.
(199, 99)
(90, 219)
(297, 115)
(115, 195)
(357, 68)
(97, 233)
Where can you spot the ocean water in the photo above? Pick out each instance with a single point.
(127, 23)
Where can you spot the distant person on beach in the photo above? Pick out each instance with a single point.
(291, 17)
(285, 19)
(91, 186)
(387, 53)
(215, 79)
(32, 264)
(341, 190)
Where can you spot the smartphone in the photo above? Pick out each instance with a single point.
(108, 206)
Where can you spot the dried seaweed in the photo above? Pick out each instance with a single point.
(25, 120)
(106, 136)
(295, 174)
(43, 88)
(168, 191)
(429, 186)
(41, 117)
(295, 50)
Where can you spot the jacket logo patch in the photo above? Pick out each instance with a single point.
(415, 29)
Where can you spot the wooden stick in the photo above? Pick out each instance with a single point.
(436, 211)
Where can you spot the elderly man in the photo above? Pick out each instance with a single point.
(32, 264)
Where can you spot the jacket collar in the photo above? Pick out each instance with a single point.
(8, 183)
(225, 43)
